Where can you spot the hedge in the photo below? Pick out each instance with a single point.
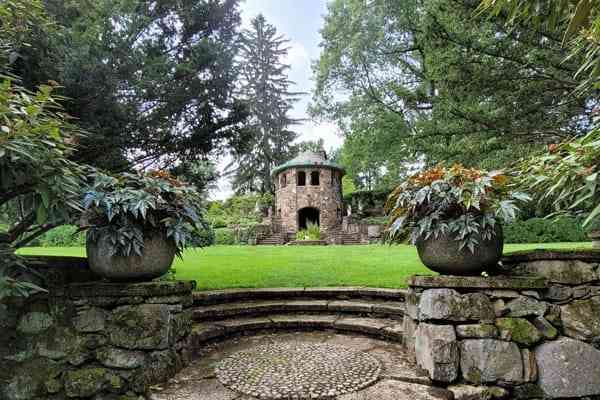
(203, 238)
(61, 236)
(542, 230)
(224, 236)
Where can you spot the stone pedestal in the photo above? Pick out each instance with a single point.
(533, 331)
(95, 340)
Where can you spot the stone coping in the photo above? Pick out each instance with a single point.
(206, 297)
(110, 289)
(378, 327)
(259, 307)
(56, 262)
(477, 282)
(545, 254)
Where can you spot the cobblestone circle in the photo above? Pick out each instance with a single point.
(296, 370)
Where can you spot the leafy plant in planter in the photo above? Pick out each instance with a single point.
(453, 215)
(138, 222)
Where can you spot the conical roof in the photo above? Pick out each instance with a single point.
(309, 159)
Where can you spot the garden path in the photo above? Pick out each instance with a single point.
(397, 376)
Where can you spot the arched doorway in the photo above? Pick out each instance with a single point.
(307, 215)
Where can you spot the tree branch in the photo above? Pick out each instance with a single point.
(21, 227)
(43, 229)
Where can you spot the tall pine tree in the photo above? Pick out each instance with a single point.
(266, 88)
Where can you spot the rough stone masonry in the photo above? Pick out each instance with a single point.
(535, 330)
(94, 340)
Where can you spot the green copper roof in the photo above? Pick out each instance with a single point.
(308, 159)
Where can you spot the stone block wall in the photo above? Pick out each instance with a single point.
(94, 340)
(535, 332)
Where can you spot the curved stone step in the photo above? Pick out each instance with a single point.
(389, 329)
(314, 293)
(392, 309)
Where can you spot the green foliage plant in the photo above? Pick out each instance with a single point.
(39, 184)
(561, 229)
(461, 202)
(63, 236)
(312, 232)
(224, 236)
(568, 175)
(131, 206)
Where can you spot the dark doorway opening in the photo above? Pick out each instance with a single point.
(307, 215)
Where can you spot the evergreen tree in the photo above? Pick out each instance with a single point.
(266, 89)
(152, 82)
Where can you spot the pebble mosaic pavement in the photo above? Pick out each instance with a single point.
(298, 370)
(399, 379)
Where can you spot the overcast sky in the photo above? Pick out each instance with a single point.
(300, 22)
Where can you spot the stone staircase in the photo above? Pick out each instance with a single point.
(342, 237)
(275, 238)
(372, 311)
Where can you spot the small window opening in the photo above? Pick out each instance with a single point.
(283, 180)
(314, 178)
(332, 178)
(301, 178)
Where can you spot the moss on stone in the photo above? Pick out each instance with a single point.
(473, 375)
(53, 385)
(85, 382)
(29, 378)
(519, 330)
(35, 322)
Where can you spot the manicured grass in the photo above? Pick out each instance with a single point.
(220, 267)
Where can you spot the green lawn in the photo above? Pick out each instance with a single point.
(221, 267)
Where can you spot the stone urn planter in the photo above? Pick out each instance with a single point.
(595, 236)
(442, 255)
(156, 259)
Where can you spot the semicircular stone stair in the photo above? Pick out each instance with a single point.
(372, 311)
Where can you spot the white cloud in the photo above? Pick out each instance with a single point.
(297, 54)
(328, 131)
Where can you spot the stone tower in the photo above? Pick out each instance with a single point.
(308, 188)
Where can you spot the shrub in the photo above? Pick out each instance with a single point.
(542, 230)
(63, 236)
(243, 234)
(203, 237)
(239, 210)
(312, 232)
(568, 176)
(224, 236)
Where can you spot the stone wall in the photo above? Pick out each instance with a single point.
(326, 197)
(94, 340)
(535, 332)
